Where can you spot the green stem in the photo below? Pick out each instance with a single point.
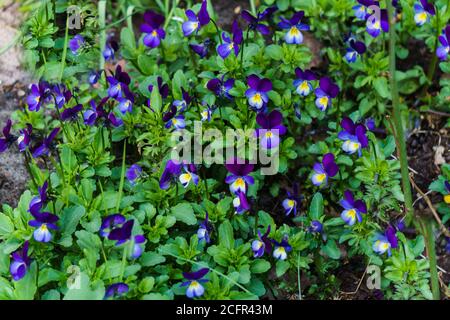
(102, 22)
(217, 30)
(298, 278)
(169, 17)
(398, 119)
(242, 50)
(253, 7)
(122, 176)
(429, 236)
(130, 18)
(433, 64)
(124, 260)
(64, 54)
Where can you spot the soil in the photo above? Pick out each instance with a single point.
(13, 175)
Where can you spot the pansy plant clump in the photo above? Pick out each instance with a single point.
(179, 158)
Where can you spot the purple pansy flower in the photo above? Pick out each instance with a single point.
(152, 29)
(257, 93)
(44, 148)
(37, 202)
(290, 204)
(118, 85)
(39, 93)
(271, 129)
(94, 76)
(255, 22)
(195, 22)
(110, 222)
(360, 9)
(201, 49)
(24, 139)
(76, 43)
(240, 203)
(204, 231)
(20, 261)
(121, 234)
(353, 135)
(229, 44)
(194, 283)
(444, 49)
(447, 195)
(302, 83)
(239, 178)
(294, 27)
(71, 114)
(61, 94)
(353, 208)
(327, 90)
(110, 49)
(220, 87)
(281, 248)
(190, 174)
(8, 138)
(356, 49)
(171, 171)
(206, 114)
(385, 242)
(184, 103)
(43, 221)
(90, 116)
(116, 290)
(125, 105)
(172, 120)
(114, 121)
(137, 246)
(263, 244)
(162, 87)
(422, 11)
(322, 171)
(133, 173)
(374, 25)
(315, 227)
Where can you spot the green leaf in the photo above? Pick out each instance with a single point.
(381, 85)
(183, 212)
(281, 267)
(332, 250)
(150, 259)
(127, 38)
(146, 285)
(155, 99)
(275, 52)
(316, 208)
(83, 289)
(226, 238)
(6, 225)
(145, 64)
(260, 266)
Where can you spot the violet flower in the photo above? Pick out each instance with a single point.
(125, 105)
(292, 201)
(375, 26)
(422, 12)
(325, 93)
(240, 203)
(8, 138)
(201, 49)
(121, 234)
(171, 171)
(360, 9)
(356, 49)
(110, 49)
(76, 43)
(39, 93)
(262, 245)
(444, 49)
(271, 129)
(239, 178)
(220, 87)
(195, 22)
(257, 93)
(44, 148)
(152, 29)
(118, 85)
(353, 208)
(194, 283)
(322, 171)
(294, 27)
(281, 248)
(204, 231)
(385, 242)
(24, 138)
(302, 83)
(255, 23)
(43, 221)
(184, 103)
(354, 136)
(315, 227)
(71, 114)
(162, 87)
(37, 202)
(114, 121)
(447, 196)
(229, 44)
(94, 76)
(133, 173)
(20, 261)
(110, 222)
(116, 290)
(190, 174)
(137, 246)
(62, 95)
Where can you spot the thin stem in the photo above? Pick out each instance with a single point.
(242, 50)
(432, 258)
(433, 64)
(397, 117)
(64, 54)
(102, 22)
(298, 278)
(124, 260)
(169, 17)
(122, 176)
(217, 30)
(253, 7)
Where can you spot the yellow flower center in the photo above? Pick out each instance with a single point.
(291, 203)
(44, 227)
(257, 98)
(154, 33)
(269, 134)
(294, 31)
(447, 198)
(303, 86)
(240, 183)
(321, 177)
(323, 101)
(352, 213)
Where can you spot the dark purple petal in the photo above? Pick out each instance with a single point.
(247, 16)
(348, 125)
(253, 81)
(361, 206)
(263, 29)
(7, 128)
(203, 16)
(297, 17)
(361, 135)
(237, 33)
(123, 233)
(275, 118)
(348, 195)
(264, 85)
(329, 165)
(195, 275)
(391, 236)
